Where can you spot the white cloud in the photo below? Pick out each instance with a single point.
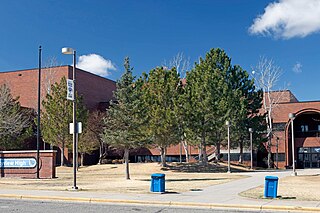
(288, 18)
(297, 68)
(96, 64)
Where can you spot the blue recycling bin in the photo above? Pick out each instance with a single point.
(158, 182)
(271, 186)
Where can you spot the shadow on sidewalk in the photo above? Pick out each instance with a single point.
(199, 168)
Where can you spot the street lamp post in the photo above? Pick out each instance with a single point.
(70, 51)
(277, 153)
(38, 115)
(228, 124)
(251, 148)
(292, 117)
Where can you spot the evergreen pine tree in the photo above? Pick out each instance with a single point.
(245, 103)
(124, 121)
(206, 91)
(161, 92)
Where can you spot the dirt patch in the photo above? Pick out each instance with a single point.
(111, 178)
(304, 187)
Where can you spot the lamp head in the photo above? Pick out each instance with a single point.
(250, 130)
(67, 50)
(228, 123)
(292, 115)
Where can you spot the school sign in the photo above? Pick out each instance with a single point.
(23, 163)
(16, 163)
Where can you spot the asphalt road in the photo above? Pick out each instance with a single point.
(34, 206)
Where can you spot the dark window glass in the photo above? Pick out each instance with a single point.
(281, 157)
(279, 126)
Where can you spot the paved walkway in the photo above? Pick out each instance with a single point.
(218, 196)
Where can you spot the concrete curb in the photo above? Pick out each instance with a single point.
(165, 203)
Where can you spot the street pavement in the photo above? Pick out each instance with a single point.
(217, 196)
(36, 206)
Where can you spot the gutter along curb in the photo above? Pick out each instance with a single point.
(163, 203)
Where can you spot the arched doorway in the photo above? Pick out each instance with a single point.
(306, 127)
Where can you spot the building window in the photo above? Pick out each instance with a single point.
(305, 128)
(280, 126)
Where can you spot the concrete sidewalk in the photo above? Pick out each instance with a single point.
(218, 196)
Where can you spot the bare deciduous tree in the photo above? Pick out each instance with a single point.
(180, 62)
(49, 74)
(12, 119)
(182, 65)
(267, 75)
(91, 138)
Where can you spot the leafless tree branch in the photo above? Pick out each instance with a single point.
(267, 75)
(180, 62)
(12, 119)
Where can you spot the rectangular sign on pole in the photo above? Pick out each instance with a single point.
(70, 88)
(79, 128)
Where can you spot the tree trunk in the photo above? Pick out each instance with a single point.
(218, 144)
(269, 154)
(180, 150)
(81, 158)
(186, 151)
(62, 154)
(204, 151)
(126, 160)
(200, 153)
(269, 124)
(100, 152)
(241, 152)
(163, 156)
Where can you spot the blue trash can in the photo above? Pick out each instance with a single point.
(271, 186)
(158, 182)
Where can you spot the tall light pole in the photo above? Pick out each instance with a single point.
(277, 153)
(38, 115)
(70, 51)
(251, 148)
(228, 124)
(292, 117)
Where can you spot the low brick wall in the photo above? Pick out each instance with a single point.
(11, 166)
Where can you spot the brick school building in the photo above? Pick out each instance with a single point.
(98, 91)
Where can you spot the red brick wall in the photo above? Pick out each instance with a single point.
(24, 84)
(281, 112)
(283, 96)
(93, 88)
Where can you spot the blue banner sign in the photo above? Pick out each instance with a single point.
(15, 163)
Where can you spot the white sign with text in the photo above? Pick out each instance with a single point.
(70, 88)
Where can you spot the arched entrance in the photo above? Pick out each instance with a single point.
(306, 127)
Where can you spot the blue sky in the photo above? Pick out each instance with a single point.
(152, 31)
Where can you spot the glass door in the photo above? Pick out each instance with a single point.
(300, 161)
(306, 160)
(309, 157)
(314, 160)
